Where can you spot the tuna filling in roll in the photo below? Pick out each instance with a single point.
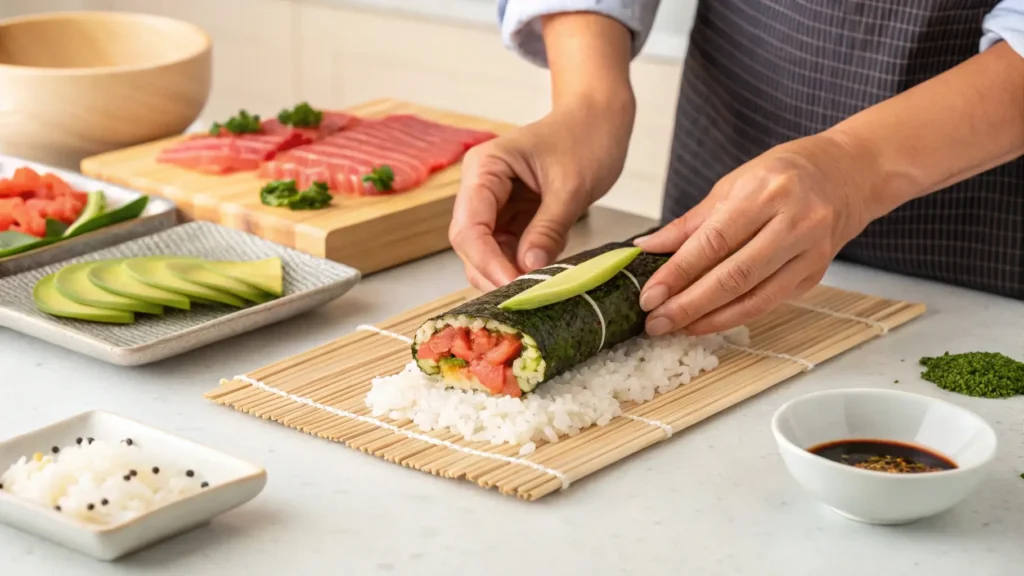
(476, 354)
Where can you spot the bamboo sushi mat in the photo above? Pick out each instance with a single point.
(322, 391)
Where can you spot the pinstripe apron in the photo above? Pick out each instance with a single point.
(761, 73)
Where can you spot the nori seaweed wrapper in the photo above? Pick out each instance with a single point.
(569, 332)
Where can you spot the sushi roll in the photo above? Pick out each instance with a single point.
(480, 346)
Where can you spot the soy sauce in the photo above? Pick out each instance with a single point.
(883, 456)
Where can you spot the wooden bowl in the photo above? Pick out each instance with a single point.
(74, 84)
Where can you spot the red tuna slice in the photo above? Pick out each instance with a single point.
(432, 157)
(387, 152)
(441, 342)
(344, 173)
(222, 154)
(491, 377)
(331, 123)
(465, 136)
(377, 152)
(507, 350)
(461, 346)
(351, 165)
(483, 342)
(425, 352)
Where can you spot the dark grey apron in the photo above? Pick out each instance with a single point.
(760, 73)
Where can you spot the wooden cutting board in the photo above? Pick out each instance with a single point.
(367, 233)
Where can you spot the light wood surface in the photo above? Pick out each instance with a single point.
(81, 83)
(338, 375)
(368, 233)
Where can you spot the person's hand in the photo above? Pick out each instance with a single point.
(766, 233)
(522, 192)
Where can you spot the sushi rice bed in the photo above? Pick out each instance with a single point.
(590, 394)
(98, 482)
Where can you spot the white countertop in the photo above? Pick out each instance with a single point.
(715, 499)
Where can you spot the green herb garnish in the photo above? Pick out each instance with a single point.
(382, 177)
(983, 374)
(241, 123)
(284, 193)
(302, 116)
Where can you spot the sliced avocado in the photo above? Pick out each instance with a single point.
(266, 274)
(111, 276)
(197, 273)
(50, 301)
(94, 206)
(153, 270)
(73, 283)
(575, 281)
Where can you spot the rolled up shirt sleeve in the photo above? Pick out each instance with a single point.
(520, 21)
(1004, 23)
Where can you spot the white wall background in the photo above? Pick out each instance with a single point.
(443, 53)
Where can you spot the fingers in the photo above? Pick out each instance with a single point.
(792, 280)
(478, 280)
(740, 273)
(723, 232)
(670, 237)
(486, 186)
(546, 234)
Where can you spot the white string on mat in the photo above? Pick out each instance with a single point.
(585, 297)
(768, 353)
(383, 332)
(407, 433)
(633, 278)
(881, 327)
(656, 423)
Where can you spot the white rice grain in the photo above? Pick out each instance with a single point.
(635, 371)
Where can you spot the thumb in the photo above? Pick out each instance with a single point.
(547, 233)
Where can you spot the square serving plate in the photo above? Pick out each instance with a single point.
(160, 214)
(309, 282)
(233, 482)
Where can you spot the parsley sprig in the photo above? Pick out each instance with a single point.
(240, 123)
(381, 177)
(284, 193)
(302, 116)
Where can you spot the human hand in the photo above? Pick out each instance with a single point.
(767, 232)
(522, 192)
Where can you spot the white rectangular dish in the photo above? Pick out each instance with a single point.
(309, 282)
(232, 482)
(160, 214)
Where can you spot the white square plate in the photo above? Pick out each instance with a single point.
(233, 482)
(308, 282)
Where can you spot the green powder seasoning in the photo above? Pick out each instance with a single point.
(982, 374)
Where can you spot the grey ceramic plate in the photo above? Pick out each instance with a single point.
(160, 214)
(309, 282)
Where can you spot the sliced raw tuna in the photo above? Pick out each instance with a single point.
(229, 153)
(330, 123)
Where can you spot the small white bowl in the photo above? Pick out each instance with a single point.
(232, 483)
(870, 414)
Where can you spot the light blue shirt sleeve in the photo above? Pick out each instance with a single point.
(1005, 22)
(520, 21)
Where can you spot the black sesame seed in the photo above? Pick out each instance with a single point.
(204, 484)
(78, 441)
(156, 470)
(57, 508)
(90, 507)
(127, 477)
(1, 486)
(128, 441)
(55, 450)
(104, 502)
(90, 440)
(189, 473)
(133, 473)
